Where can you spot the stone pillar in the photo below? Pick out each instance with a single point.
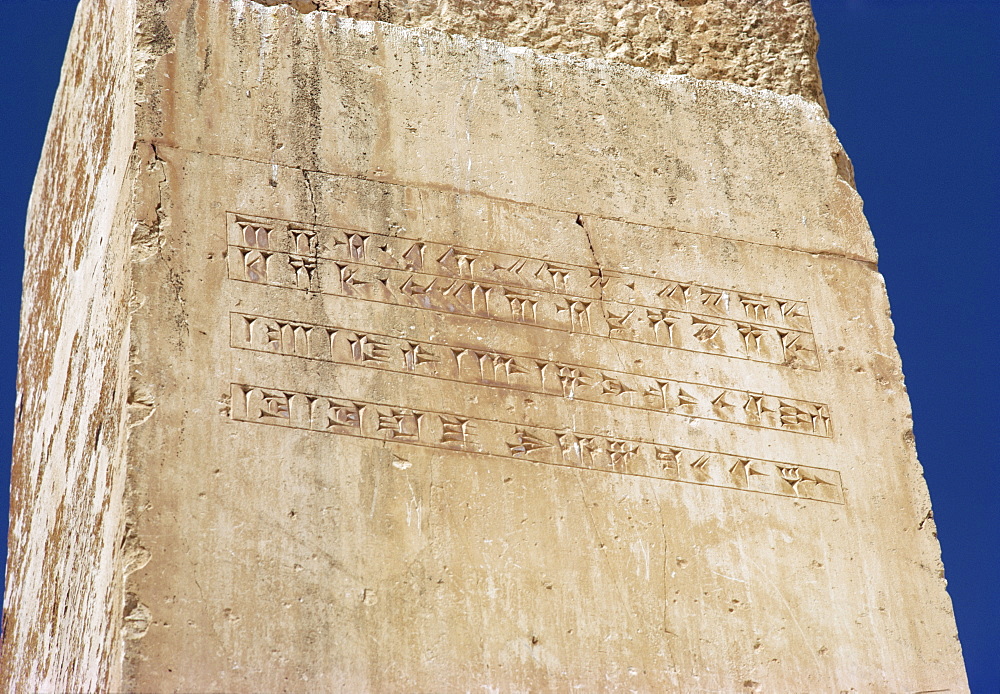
(546, 354)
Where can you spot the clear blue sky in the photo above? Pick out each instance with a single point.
(912, 87)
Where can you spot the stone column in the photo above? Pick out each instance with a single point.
(422, 346)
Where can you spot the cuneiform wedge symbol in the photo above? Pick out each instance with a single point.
(742, 470)
(256, 235)
(755, 308)
(344, 414)
(415, 354)
(616, 322)
(399, 423)
(795, 477)
(525, 443)
(456, 430)
(621, 452)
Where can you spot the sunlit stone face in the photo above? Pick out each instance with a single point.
(451, 366)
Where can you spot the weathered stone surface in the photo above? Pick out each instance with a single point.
(63, 606)
(756, 43)
(454, 366)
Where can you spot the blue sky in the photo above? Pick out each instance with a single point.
(912, 91)
(912, 87)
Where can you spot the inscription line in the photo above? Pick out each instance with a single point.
(791, 475)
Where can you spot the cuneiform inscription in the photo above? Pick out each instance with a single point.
(523, 290)
(563, 447)
(481, 365)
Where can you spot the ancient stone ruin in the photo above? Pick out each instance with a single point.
(425, 346)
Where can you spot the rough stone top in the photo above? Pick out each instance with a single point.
(754, 43)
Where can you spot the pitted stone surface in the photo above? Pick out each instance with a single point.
(755, 43)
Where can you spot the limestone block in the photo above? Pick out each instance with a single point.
(428, 363)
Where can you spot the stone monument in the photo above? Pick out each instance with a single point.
(425, 346)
